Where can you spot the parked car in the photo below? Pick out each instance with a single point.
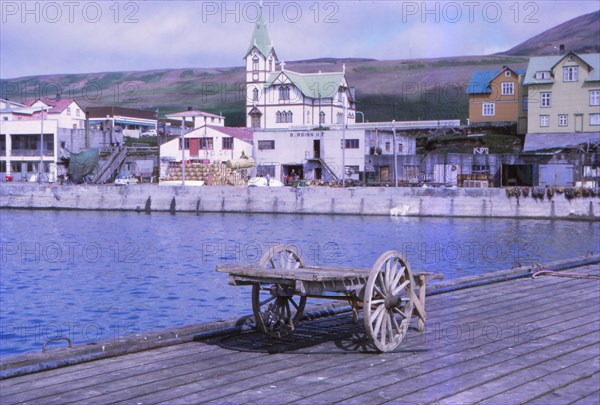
(125, 180)
(150, 132)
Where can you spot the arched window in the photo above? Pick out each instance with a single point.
(321, 117)
(271, 64)
(284, 93)
(255, 63)
(290, 117)
(255, 94)
(340, 118)
(278, 116)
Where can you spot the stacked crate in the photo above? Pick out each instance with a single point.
(213, 174)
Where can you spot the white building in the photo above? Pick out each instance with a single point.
(321, 154)
(198, 118)
(21, 146)
(209, 144)
(282, 99)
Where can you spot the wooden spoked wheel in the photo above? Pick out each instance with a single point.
(388, 302)
(276, 310)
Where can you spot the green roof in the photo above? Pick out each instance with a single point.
(260, 38)
(547, 63)
(313, 85)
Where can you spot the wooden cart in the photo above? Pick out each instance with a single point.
(389, 293)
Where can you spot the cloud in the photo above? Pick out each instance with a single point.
(171, 34)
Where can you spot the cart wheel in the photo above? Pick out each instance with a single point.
(387, 303)
(276, 311)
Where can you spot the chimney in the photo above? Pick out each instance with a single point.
(561, 49)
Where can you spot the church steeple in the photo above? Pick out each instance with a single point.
(260, 38)
(260, 63)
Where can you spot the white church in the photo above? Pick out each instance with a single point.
(281, 98)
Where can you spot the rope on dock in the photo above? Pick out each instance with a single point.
(557, 273)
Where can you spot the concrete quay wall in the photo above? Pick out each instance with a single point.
(462, 202)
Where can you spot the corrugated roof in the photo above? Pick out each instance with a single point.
(313, 85)
(480, 81)
(194, 113)
(546, 63)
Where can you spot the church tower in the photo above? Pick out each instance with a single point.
(260, 62)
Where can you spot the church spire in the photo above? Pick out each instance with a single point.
(260, 37)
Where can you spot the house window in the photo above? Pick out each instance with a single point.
(340, 118)
(570, 73)
(595, 119)
(206, 144)
(321, 117)
(266, 145)
(388, 146)
(351, 143)
(278, 117)
(290, 117)
(507, 73)
(594, 97)
(525, 101)
(340, 96)
(255, 94)
(544, 120)
(563, 120)
(77, 112)
(480, 169)
(284, 93)
(255, 63)
(400, 147)
(545, 99)
(545, 75)
(68, 110)
(271, 64)
(508, 88)
(187, 143)
(264, 170)
(227, 143)
(489, 109)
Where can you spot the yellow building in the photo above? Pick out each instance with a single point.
(563, 94)
(496, 97)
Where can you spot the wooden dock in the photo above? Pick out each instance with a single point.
(525, 340)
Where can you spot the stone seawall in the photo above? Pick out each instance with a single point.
(461, 202)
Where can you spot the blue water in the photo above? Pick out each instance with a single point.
(105, 275)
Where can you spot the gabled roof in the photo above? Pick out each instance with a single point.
(480, 81)
(57, 106)
(243, 134)
(260, 38)
(313, 85)
(548, 63)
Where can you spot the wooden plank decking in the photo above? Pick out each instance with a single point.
(526, 340)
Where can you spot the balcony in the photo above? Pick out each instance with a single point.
(30, 152)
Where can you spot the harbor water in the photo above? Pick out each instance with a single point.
(93, 276)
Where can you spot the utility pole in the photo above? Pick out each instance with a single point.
(344, 149)
(41, 167)
(183, 151)
(395, 153)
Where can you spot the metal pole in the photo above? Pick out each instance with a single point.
(344, 149)
(41, 168)
(183, 151)
(395, 153)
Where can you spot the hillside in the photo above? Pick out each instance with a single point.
(581, 35)
(423, 89)
(387, 89)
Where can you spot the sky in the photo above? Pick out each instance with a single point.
(58, 37)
